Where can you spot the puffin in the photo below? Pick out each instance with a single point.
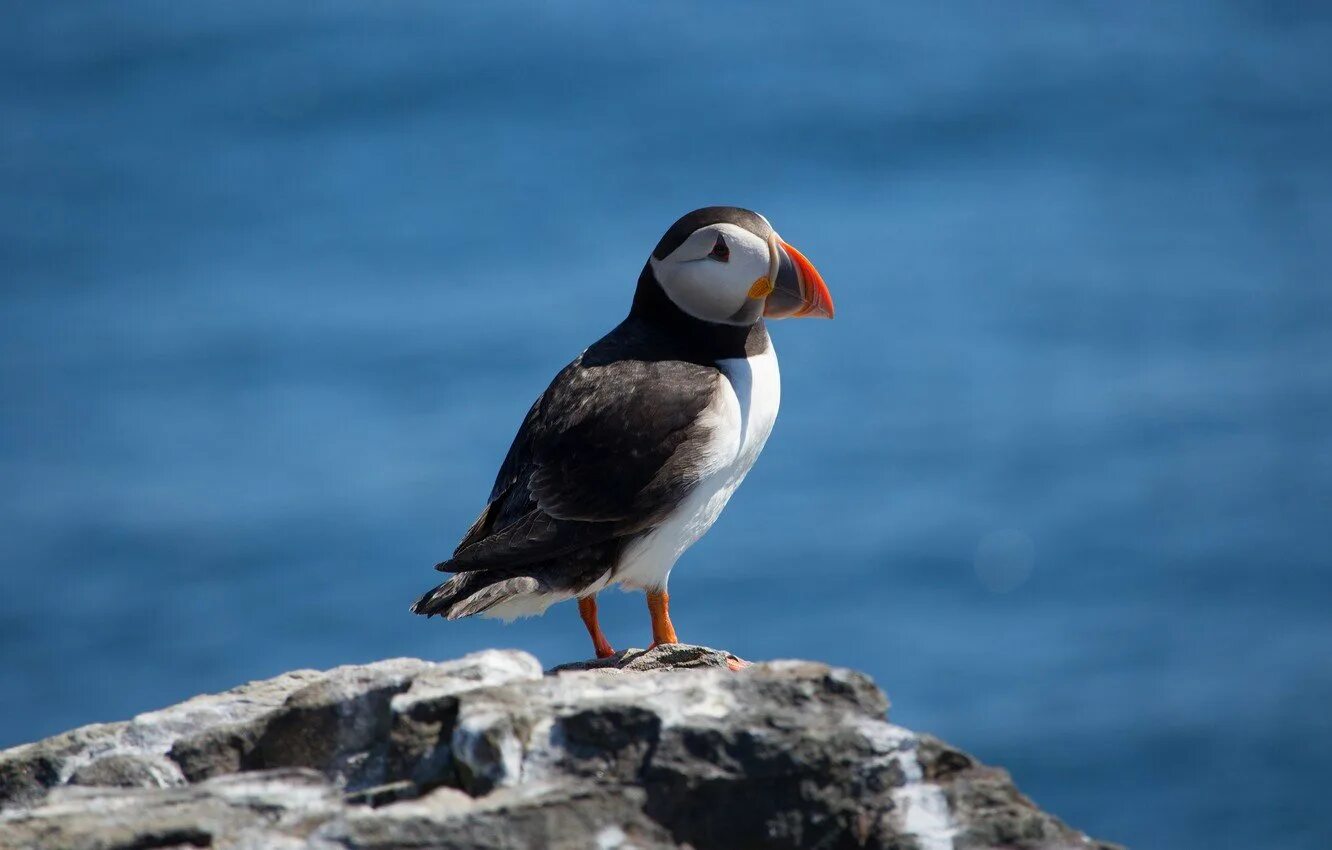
(632, 452)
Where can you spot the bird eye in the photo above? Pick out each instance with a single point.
(720, 252)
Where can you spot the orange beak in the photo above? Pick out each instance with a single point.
(798, 288)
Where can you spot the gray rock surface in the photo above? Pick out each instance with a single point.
(669, 748)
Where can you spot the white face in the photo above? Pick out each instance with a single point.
(713, 280)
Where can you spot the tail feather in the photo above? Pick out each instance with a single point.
(473, 593)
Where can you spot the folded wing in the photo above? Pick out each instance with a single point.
(607, 451)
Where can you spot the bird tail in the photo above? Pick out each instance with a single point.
(473, 593)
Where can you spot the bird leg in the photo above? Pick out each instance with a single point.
(587, 609)
(659, 604)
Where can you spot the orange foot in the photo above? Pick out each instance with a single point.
(587, 609)
(659, 607)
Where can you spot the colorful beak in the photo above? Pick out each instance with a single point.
(798, 291)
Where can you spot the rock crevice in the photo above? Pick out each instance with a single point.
(660, 749)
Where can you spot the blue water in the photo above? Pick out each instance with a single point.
(280, 280)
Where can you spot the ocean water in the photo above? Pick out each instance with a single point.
(278, 282)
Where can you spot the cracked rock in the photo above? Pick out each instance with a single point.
(666, 748)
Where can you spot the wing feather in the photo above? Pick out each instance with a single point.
(606, 451)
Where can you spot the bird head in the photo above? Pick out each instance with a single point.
(727, 265)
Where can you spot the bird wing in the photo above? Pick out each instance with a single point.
(606, 451)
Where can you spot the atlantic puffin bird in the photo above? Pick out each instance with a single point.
(633, 450)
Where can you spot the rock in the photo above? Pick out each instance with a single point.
(665, 748)
(270, 809)
(536, 815)
(128, 770)
(673, 656)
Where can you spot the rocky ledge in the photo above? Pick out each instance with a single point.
(661, 749)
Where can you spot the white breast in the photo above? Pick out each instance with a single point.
(741, 418)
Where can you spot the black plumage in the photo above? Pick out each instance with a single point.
(602, 457)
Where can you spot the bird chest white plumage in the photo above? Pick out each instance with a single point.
(740, 419)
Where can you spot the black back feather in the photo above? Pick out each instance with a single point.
(612, 444)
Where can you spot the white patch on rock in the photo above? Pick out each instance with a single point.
(298, 789)
(485, 742)
(611, 838)
(545, 743)
(679, 699)
(441, 802)
(921, 809)
(685, 698)
(484, 669)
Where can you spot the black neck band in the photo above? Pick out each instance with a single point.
(699, 341)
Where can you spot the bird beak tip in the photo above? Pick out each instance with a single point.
(799, 291)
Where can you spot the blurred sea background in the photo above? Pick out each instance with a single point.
(279, 281)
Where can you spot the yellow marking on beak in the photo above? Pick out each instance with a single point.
(762, 288)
